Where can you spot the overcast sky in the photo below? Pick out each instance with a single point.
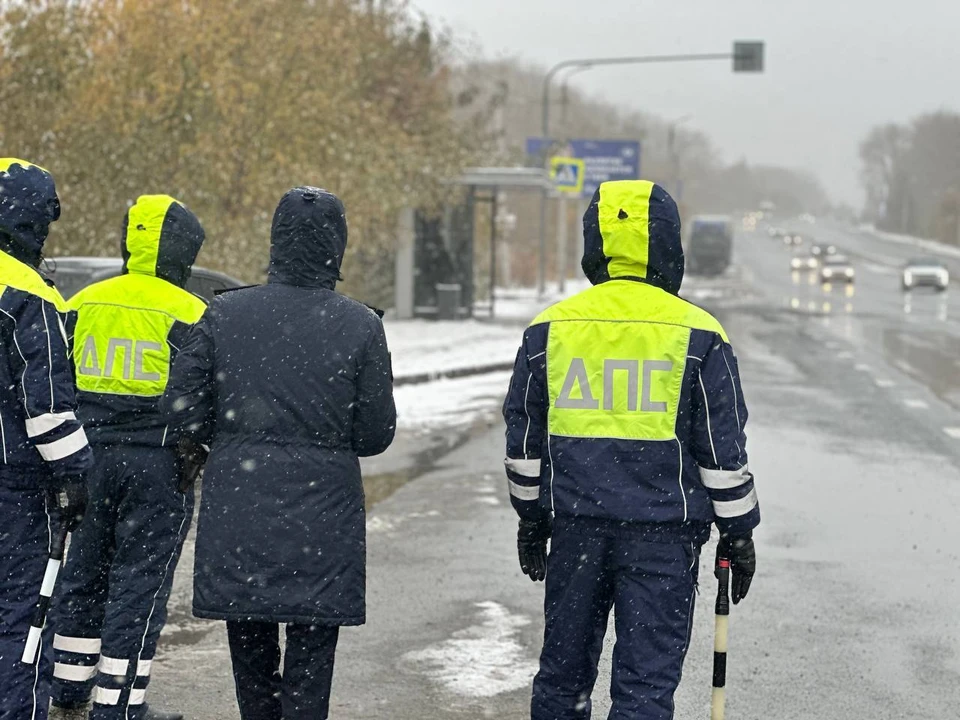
(834, 67)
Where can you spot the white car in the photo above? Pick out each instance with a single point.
(925, 272)
(837, 269)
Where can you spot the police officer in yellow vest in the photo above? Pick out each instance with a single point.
(625, 441)
(118, 576)
(43, 449)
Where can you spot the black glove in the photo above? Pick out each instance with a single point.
(69, 502)
(740, 552)
(191, 457)
(532, 537)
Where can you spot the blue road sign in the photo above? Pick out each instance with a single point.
(602, 159)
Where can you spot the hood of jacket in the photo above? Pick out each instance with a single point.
(162, 238)
(631, 230)
(28, 205)
(308, 239)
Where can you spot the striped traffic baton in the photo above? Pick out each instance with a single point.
(32, 649)
(718, 701)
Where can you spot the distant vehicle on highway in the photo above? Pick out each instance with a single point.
(792, 239)
(72, 274)
(776, 233)
(819, 250)
(925, 272)
(837, 268)
(804, 262)
(709, 247)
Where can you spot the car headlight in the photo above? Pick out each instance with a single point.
(848, 272)
(908, 278)
(795, 264)
(828, 273)
(944, 277)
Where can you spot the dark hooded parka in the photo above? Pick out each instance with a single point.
(290, 382)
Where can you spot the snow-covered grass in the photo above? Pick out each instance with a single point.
(450, 403)
(931, 246)
(428, 346)
(432, 346)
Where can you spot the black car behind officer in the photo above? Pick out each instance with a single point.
(43, 448)
(119, 574)
(625, 424)
(289, 383)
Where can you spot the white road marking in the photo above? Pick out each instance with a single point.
(916, 404)
(880, 269)
(861, 367)
(483, 660)
(885, 383)
(953, 432)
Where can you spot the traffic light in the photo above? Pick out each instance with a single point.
(748, 57)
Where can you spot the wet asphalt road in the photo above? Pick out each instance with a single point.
(855, 613)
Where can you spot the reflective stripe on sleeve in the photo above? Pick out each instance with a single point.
(74, 673)
(735, 508)
(526, 468)
(105, 696)
(725, 479)
(524, 492)
(64, 447)
(47, 422)
(143, 668)
(114, 666)
(137, 697)
(80, 646)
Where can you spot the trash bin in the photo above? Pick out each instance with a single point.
(448, 301)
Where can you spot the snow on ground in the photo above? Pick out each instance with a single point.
(483, 660)
(450, 403)
(426, 346)
(432, 346)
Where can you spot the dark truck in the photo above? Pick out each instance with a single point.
(709, 244)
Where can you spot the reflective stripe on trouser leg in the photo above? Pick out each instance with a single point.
(151, 525)
(75, 667)
(121, 689)
(24, 549)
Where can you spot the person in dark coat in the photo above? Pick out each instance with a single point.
(289, 383)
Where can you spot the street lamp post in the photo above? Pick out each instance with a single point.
(746, 56)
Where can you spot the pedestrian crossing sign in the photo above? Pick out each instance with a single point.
(567, 174)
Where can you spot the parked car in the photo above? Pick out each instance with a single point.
(72, 274)
(925, 272)
(837, 268)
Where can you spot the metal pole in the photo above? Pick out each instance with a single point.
(545, 125)
(562, 243)
(493, 249)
